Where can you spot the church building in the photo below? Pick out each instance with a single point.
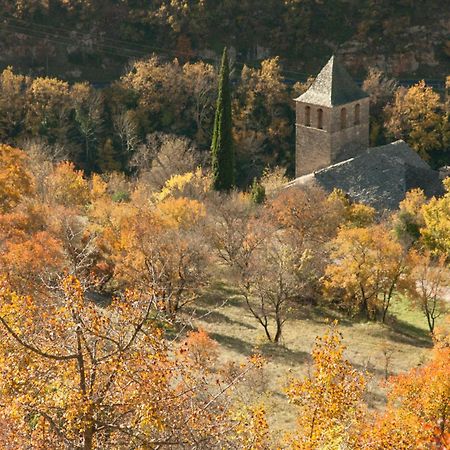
(332, 146)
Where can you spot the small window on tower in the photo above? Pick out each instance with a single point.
(357, 114)
(343, 118)
(320, 118)
(308, 116)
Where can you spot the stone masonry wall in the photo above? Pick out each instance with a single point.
(318, 148)
(312, 150)
(312, 143)
(353, 139)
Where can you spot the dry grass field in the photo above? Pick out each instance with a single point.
(379, 349)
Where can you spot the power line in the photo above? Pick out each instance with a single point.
(128, 49)
(138, 50)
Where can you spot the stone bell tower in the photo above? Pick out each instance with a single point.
(332, 122)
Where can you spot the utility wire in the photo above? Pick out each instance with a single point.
(109, 46)
(129, 49)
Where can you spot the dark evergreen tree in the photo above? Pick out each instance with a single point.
(258, 192)
(222, 151)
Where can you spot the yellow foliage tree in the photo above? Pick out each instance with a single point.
(428, 279)
(49, 105)
(416, 116)
(436, 231)
(354, 214)
(425, 393)
(367, 265)
(12, 103)
(67, 186)
(330, 400)
(408, 221)
(78, 376)
(15, 179)
(155, 250)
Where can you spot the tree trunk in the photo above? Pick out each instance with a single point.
(88, 438)
(279, 324)
(278, 333)
(266, 329)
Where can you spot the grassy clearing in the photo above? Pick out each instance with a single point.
(379, 349)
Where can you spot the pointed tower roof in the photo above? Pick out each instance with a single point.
(332, 87)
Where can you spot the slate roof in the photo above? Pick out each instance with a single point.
(332, 87)
(379, 177)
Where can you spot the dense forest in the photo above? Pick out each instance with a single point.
(126, 126)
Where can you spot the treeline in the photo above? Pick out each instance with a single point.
(101, 130)
(99, 275)
(113, 129)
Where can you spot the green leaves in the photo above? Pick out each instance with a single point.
(222, 151)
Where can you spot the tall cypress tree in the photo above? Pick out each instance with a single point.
(222, 151)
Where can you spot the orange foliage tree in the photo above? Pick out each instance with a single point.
(78, 376)
(67, 186)
(153, 249)
(425, 392)
(15, 179)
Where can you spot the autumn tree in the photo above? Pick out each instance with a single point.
(154, 249)
(229, 220)
(395, 429)
(353, 214)
(330, 401)
(16, 180)
(381, 89)
(269, 279)
(89, 117)
(408, 220)
(126, 129)
(263, 267)
(273, 180)
(428, 279)
(48, 109)
(200, 348)
(262, 118)
(367, 266)
(222, 151)
(79, 376)
(33, 261)
(308, 222)
(424, 393)
(302, 212)
(41, 160)
(163, 156)
(253, 428)
(12, 103)
(436, 216)
(68, 186)
(200, 82)
(160, 96)
(416, 116)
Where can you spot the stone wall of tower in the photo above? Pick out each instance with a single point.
(317, 148)
(313, 145)
(354, 137)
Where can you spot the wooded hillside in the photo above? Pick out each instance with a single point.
(76, 39)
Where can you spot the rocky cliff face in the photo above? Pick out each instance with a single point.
(405, 50)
